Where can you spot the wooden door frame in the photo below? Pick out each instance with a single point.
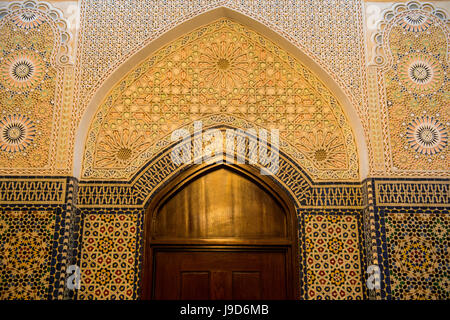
(290, 245)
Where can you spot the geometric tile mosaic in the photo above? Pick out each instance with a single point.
(26, 240)
(333, 257)
(409, 220)
(418, 254)
(108, 256)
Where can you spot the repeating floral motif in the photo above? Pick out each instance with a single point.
(333, 257)
(27, 90)
(427, 136)
(22, 71)
(415, 76)
(221, 69)
(33, 51)
(338, 49)
(413, 85)
(17, 132)
(418, 245)
(26, 240)
(108, 256)
(28, 20)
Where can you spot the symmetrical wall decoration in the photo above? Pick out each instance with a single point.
(410, 119)
(418, 245)
(136, 192)
(35, 214)
(335, 43)
(111, 209)
(223, 68)
(412, 55)
(333, 256)
(25, 247)
(108, 256)
(228, 76)
(34, 50)
(410, 230)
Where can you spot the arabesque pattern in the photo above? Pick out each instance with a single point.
(414, 70)
(33, 55)
(26, 243)
(418, 254)
(333, 257)
(227, 69)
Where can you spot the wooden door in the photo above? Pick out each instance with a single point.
(220, 232)
(224, 275)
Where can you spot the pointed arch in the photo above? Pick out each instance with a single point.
(163, 226)
(161, 169)
(190, 25)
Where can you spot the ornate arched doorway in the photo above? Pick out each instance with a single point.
(127, 165)
(221, 232)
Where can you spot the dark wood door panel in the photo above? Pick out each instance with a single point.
(220, 275)
(221, 231)
(195, 285)
(246, 285)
